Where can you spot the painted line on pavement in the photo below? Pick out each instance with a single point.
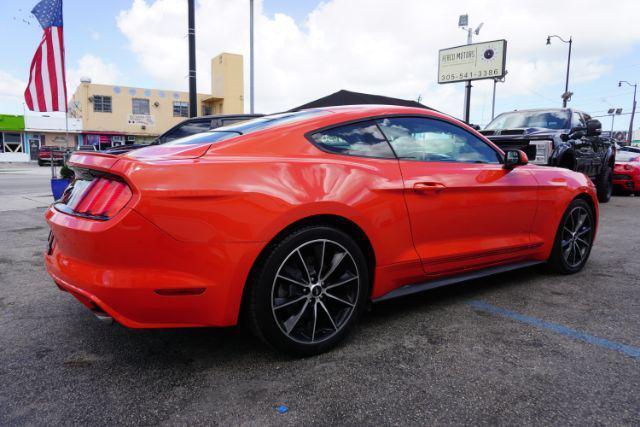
(562, 330)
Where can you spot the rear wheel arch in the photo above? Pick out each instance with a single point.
(590, 201)
(592, 205)
(335, 221)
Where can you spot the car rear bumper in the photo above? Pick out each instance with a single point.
(627, 184)
(626, 179)
(142, 277)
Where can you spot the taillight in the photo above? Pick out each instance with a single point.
(100, 198)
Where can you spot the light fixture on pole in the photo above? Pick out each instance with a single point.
(613, 112)
(633, 108)
(566, 96)
(463, 23)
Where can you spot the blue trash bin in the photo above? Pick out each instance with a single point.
(58, 186)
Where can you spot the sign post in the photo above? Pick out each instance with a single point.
(469, 62)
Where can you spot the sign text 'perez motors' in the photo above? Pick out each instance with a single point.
(472, 62)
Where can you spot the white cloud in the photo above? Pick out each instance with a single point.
(11, 93)
(96, 68)
(10, 86)
(379, 46)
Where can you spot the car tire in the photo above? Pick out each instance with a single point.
(605, 185)
(574, 238)
(40, 163)
(308, 292)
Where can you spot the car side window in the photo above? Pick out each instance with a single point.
(431, 140)
(359, 139)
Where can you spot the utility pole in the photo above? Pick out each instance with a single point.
(193, 96)
(251, 92)
(463, 22)
(566, 96)
(633, 108)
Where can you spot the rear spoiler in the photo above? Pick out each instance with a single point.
(89, 160)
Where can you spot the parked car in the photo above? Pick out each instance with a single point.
(626, 174)
(296, 221)
(187, 128)
(565, 138)
(45, 154)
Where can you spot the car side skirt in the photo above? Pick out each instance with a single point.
(432, 284)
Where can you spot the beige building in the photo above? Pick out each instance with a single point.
(115, 115)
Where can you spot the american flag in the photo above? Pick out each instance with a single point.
(47, 90)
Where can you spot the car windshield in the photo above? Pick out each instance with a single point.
(246, 127)
(531, 119)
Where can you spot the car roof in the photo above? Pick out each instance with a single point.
(534, 110)
(366, 110)
(221, 116)
(349, 113)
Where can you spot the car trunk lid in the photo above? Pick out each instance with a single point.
(168, 152)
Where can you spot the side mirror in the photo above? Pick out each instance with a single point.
(594, 127)
(513, 158)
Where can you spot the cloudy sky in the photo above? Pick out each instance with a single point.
(309, 48)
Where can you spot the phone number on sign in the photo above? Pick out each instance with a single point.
(470, 75)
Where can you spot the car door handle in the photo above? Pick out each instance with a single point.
(428, 187)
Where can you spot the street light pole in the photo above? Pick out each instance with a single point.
(463, 23)
(613, 112)
(566, 95)
(251, 93)
(193, 97)
(467, 88)
(633, 108)
(493, 101)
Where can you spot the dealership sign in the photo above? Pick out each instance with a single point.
(472, 62)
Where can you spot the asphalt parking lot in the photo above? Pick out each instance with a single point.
(526, 347)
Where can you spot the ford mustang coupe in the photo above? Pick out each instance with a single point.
(294, 222)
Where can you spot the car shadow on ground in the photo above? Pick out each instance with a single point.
(203, 346)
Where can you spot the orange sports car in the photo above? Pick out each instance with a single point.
(294, 222)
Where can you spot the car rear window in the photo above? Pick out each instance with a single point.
(362, 139)
(247, 127)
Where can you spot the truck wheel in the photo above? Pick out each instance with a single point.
(40, 163)
(574, 238)
(605, 185)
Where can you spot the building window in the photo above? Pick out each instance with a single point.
(140, 106)
(180, 109)
(206, 109)
(117, 140)
(12, 143)
(101, 104)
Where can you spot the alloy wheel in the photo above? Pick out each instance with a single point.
(577, 236)
(315, 290)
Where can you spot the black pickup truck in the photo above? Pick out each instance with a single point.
(560, 137)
